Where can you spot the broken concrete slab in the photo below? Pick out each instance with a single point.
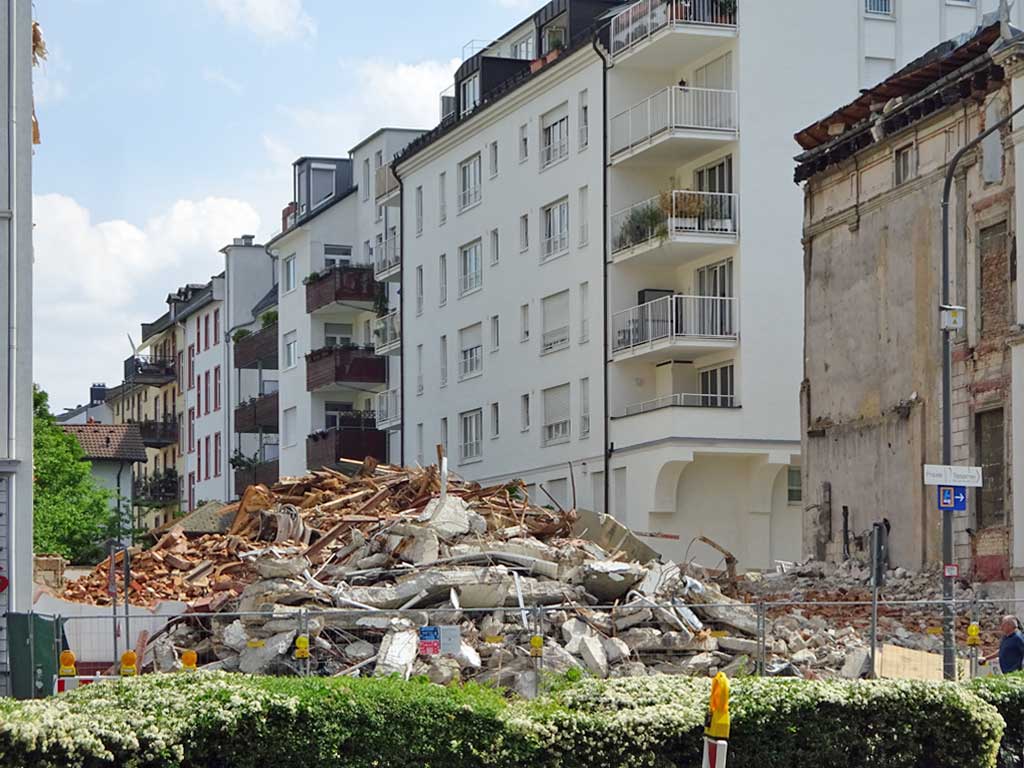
(857, 664)
(397, 650)
(443, 671)
(631, 618)
(739, 645)
(615, 649)
(258, 655)
(449, 518)
(271, 567)
(592, 652)
(360, 650)
(609, 581)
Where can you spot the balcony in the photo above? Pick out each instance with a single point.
(643, 35)
(674, 126)
(350, 286)
(257, 350)
(557, 432)
(683, 400)
(389, 409)
(149, 370)
(159, 433)
(387, 261)
(356, 438)
(385, 185)
(471, 363)
(675, 325)
(675, 227)
(264, 473)
(679, 416)
(160, 490)
(259, 414)
(387, 335)
(333, 368)
(555, 339)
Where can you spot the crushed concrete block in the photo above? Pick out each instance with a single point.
(575, 628)
(642, 638)
(270, 567)
(557, 659)
(450, 519)
(258, 656)
(372, 561)
(500, 657)
(738, 645)
(477, 523)
(779, 647)
(857, 664)
(235, 636)
(676, 641)
(425, 547)
(609, 581)
(796, 642)
(805, 656)
(443, 671)
(615, 649)
(624, 621)
(360, 650)
(397, 650)
(700, 664)
(592, 652)
(165, 657)
(740, 666)
(629, 669)
(468, 657)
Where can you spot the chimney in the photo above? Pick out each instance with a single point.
(247, 239)
(287, 216)
(97, 394)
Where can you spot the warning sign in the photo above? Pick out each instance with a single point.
(430, 641)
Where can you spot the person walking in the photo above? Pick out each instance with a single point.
(1011, 647)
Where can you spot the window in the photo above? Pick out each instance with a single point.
(993, 270)
(289, 426)
(495, 253)
(216, 388)
(379, 213)
(471, 274)
(367, 251)
(584, 407)
(419, 369)
(199, 395)
(471, 349)
(524, 232)
(178, 372)
(794, 489)
(524, 322)
(557, 424)
(199, 334)
(905, 163)
(584, 201)
(495, 420)
(878, 7)
(584, 120)
(556, 229)
(302, 191)
(469, 182)
(334, 414)
(524, 412)
(191, 364)
(716, 387)
(444, 361)
(584, 313)
(555, 143)
(554, 37)
(523, 47)
(419, 210)
(470, 92)
(207, 447)
(216, 326)
(181, 432)
(337, 256)
(337, 334)
(378, 159)
(990, 445)
(322, 181)
(471, 446)
(555, 317)
(419, 444)
(444, 435)
(366, 179)
(419, 290)
(191, 491)
(493, 152)
(288, 279)
(524, 143)
(495, 333)
(442, 272)
(199, 459)
(206, 390)
(442, 198)
(291, 350)
(191, 429)
(206, 331)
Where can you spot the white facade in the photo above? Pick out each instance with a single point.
(703, 319)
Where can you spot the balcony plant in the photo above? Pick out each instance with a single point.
(641, 224)
(268, 318)
(240, 461)
(726, 12)
(312, 277)
(684, 210)
(240, 334)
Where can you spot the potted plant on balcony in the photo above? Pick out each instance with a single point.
(684, 210)
(268, 318)
(240, 334)
(726, 12)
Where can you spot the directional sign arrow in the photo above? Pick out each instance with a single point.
(961, 497)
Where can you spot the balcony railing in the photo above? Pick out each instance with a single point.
(153, 370)
(159, 433)
(356, 442)
(159, 490)
(389, 408)
(388, 256)
(384, 182)
(676, 214)
(341, 284)
(346, 365)
(419, 384)
(469, 196)
(555, 339)
(674, 109)
(470, 281)
(674, 317)
(474, 449)
(557, 432)
(471, 362)
(263, 473)
(642, 20)
(683, 400)
(257, 349)
(387, 335)
(553, 152)
(260, 414)
(878, 7)
(557, 243)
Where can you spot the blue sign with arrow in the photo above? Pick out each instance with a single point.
(953, 498)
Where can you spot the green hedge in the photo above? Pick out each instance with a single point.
(233, 721)
(1006, 693)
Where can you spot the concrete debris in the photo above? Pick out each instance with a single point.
(397, 650)
(593, 655)
(263, 656)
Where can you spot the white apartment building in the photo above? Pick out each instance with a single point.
(641, 314)
(338, 264)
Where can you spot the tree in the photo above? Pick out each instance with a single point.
(73, 515)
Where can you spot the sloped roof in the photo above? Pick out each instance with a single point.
(212, 517)
(110, 442)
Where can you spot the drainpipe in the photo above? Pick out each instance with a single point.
(401, 314)
(12, 240)
(609, 447)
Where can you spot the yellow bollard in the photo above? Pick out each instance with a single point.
(188, 660)
(129, 664)
(716, 730)
(67, 664)
(302, 647)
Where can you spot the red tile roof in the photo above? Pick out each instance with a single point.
(116, 442)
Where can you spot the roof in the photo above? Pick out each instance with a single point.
(109, 442)
(309, 217)
(268, 301)
(212, 517)
(386, 129)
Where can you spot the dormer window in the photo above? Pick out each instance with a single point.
(523, 47)
(470, 93)
(322, 183)
(554, 37)
(303, 200)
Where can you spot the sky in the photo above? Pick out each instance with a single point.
(169, 127)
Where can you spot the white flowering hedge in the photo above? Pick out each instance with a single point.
(234, 721)
(1006, 693)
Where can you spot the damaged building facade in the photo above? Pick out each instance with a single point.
(871, 399)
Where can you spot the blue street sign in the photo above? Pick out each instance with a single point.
(952, 497)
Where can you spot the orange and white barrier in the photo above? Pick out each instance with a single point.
(715, 752)
(716, 731)
(65, 684)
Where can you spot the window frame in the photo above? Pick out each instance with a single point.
(555, 244)
(288, 281)
(471, 425)
(470, 182)
(467, 283)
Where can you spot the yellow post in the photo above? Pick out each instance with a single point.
(188, 660)
(718, 717)
(67, 664)
(302, 647)
(129, 664)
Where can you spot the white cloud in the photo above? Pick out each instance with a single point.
(270, 19)
(96, 282)
(217, 77)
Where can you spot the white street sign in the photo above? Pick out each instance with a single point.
(939, 474)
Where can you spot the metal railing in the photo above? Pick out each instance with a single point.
(389, 408)
(557, 432)
(474, 449)
(471, 362)
(419, 384)
(470, 281)
(553, 152)
(584, 425)
(878, 7)
(469, 196)
(640, 21)
(387, 256)
(670, 317)
(680, 399)
(584, 136)
(557, 243)
(555, 339)
(675, 214)
(386, 332)
(384, 181)
(674, 109)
